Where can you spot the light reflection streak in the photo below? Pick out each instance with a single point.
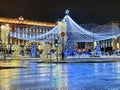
(59, 75)
(96, 67)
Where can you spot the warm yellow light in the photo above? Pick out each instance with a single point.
(26, 22)
(4, 33)
(7, 25)
(21, 18)
(117, 45)
(95, 44)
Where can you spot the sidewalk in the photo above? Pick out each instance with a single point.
(71, 59)
(84, 60)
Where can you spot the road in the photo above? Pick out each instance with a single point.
(31, 75)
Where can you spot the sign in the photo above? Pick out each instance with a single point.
(63, 34)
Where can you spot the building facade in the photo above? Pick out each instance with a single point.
(23, 28)
(28, 29)
(114, 43)
(108, 45)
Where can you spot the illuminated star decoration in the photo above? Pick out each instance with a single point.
(67, 11)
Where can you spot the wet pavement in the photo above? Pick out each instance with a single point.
(61, 76)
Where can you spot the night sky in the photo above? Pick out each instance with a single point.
(82, 11)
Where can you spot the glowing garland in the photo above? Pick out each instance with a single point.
(79, 34)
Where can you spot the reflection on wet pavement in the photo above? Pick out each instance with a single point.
(13, 63)
(39, 76)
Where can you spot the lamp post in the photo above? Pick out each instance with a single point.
(8, 44)
(104, 47)
(93, 44)
(50, 50)
(56, 46)
(62, 34)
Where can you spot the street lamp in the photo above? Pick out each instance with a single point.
(56, 46)
(93, 45)
(62, 34)
(104, 47)
(8, 44)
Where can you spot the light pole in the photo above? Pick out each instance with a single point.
(104, 47)
(50, 50)
(62, 48)
(8, 44)
(56, 46)
(62, 34)
(93, 44)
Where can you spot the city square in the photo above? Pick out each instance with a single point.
(64, 55)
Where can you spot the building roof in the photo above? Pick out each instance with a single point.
(26, 22)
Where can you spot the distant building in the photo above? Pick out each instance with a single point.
(23, 28)
(114, 43)
(106, 45)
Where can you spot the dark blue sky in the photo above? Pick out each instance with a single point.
(82, 11)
